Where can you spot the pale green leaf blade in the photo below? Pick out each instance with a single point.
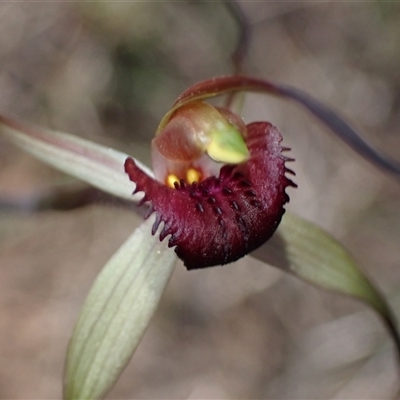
(308, 252)
(116, 313)
(97, 165)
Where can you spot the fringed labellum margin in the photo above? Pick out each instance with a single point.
(221, 185)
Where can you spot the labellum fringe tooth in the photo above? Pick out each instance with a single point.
(224, 217)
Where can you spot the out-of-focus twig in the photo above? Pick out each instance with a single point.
(65, 197)
(242, 44)
(244, 30)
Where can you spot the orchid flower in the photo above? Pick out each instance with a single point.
(217, 193)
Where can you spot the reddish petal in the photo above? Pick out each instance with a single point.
(222, 218)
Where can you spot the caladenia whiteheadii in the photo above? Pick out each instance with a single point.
(219, 185)
(217, 193)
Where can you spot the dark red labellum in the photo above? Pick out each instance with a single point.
(222, 218)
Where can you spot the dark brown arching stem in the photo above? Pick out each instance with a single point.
(341, 129)
(229, 84)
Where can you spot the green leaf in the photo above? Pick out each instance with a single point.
(97, 165)
(116, 313)
(308, 252)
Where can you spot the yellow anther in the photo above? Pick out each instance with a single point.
(171, 179)
(192, 175)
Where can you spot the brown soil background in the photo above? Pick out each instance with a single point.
(108, 72)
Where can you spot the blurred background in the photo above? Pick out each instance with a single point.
(109, 71)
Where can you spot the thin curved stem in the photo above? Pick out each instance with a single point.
(335, 123)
